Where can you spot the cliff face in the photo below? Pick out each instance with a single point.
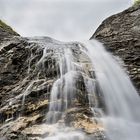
(6, 31)
(121, 35)
(28, 69)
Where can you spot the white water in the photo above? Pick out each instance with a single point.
(122, 101)
(61, 98)
(66, 133)
(122, 116)
(63, 88)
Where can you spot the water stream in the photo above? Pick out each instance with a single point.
(121, 115)
(122, 119)
(87, 70)
(63, 88)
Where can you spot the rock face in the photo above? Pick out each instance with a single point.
(6, 31)
(121, 35)
(29, 67)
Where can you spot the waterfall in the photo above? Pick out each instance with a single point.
(72, 77)
(122, 102)
(121, 117)
(62, 98)
(63, 88)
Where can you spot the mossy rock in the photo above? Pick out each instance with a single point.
(6, 30)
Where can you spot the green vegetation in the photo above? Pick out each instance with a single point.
(136, 2)
(7, 28)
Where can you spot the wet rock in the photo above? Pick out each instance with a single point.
(14, 129)
(120, 33)
(30, 66)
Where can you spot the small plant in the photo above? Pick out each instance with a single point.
(136, 2)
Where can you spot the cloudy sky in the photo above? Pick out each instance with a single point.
(63, 20)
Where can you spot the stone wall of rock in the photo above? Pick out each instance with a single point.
(6, 31)
(121, 35)
(25, 86)
(25, 83)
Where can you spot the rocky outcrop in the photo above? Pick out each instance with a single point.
(6, 31)
(121, 35)
(29, 67)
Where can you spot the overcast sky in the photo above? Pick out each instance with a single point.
(64, 20)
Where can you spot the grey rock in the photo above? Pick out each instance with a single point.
(25, 87)
(121, 35)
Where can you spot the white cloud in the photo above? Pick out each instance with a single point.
(61, 19)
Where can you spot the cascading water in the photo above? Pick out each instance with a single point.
(62, 98)
(122, 119)
(63, 92)
(63, 88)
(80, 76)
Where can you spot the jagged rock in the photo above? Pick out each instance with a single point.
(121, 35)
(27, 77)
(6, 31)
(27, 74)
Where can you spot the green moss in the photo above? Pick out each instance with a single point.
(7, 28)
(136, 2)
